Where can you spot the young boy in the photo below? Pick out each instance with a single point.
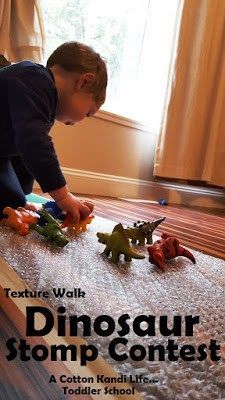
(70, 88)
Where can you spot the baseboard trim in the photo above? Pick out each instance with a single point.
(88, 182)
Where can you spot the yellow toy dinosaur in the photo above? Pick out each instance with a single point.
(80, 226)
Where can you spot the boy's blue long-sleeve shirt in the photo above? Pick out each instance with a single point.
(28, 101)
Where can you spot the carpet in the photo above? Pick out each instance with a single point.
(35, 198)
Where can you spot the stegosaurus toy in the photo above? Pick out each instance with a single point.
(142, 231)
(118, 243)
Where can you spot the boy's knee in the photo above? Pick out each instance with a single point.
(28, 186)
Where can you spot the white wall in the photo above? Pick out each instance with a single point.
(102, 146)
(111, 156)
(100, 156)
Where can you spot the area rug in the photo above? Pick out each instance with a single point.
(137, 289)
(35, 198)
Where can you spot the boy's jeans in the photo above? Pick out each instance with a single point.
(15, 182)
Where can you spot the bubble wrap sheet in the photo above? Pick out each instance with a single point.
(183, 289)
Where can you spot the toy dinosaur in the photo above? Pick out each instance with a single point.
(19, 219)
(80, 226)
(118, 243)
(166, 248)
(142, 231)
(52, 208)
(51, 230)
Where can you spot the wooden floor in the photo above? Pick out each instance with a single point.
(20, 380)
(202, 230)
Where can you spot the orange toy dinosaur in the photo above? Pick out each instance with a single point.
(19, 219)
(80, 226)
(166, 248)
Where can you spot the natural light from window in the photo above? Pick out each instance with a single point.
(136, 37)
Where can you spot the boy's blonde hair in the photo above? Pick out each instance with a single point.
(80, 58)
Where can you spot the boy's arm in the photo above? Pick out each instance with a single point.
(71, 204)
(31, 104)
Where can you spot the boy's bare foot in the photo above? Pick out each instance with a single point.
(32, 207)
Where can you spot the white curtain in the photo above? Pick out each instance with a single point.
(191, 144)
(21, 30)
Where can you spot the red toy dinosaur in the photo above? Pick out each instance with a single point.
(166, 248)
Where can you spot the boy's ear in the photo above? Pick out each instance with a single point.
(86, 80)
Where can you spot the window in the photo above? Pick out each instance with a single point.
(135, 37)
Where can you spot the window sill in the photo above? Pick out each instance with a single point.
(119, 120)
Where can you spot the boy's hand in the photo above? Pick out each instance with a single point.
(77, 208)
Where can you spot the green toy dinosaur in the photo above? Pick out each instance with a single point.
(142, 231)
(118, 243)
(51, 229)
